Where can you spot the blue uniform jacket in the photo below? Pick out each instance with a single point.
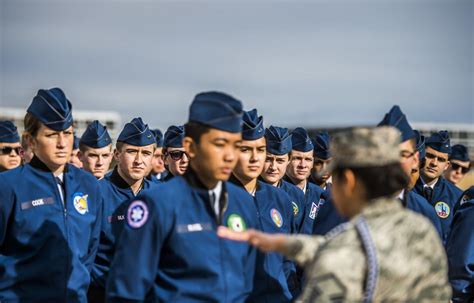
(275, 277)
(327, 215)
(444, 198)
(297, 201)
(169, 250)
(47, 248)
(460, 251)
(420, 205)
(117, 194)
(312, 204)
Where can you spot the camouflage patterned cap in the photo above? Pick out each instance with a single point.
(365, 147)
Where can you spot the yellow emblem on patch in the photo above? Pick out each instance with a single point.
(80, 203)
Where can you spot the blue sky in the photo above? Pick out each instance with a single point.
(301, 63)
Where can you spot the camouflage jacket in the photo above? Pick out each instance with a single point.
(386, 253)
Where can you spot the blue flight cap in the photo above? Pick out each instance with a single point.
(52, 108)
(75, 144)
(321, 146)
(136, 133)
(396, 118)
(217, 110)
(174, 136)
(8, 132)
(278, 140)
(252, 129)
(440, 142)
(459, 152)
(96, 135)
(301, 141)
(159, 138)
(420, 144)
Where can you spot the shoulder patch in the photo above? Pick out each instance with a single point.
(276, 217)
(137, 214)
(80, 203)
(296, 209)
(442, 209)
(236, 223)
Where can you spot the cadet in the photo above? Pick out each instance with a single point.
(328, 217)
(169, 249)
(133, 154)
(275, 278)
(384, 253)
(74, 159)
(459, 164)
(158, 170)
(297, 173)
(409, 160)
(460, 250)
(49, 212)
(278, 142)
(176, 160)
(10, 147)
(441, 194)
(95, 149)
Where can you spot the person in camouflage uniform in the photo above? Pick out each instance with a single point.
(385, 252)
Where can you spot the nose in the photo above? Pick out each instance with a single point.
(230, 154)
(100, 161)
(61, 142)
(185, 159)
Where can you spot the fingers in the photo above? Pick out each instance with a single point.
(226, 233)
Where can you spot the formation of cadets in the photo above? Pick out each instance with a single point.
(150, 229)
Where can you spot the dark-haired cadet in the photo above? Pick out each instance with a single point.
(158, 170)
(385, 253)
(409, 160)
(169, 250)
(278, 141)
(275, 277)
(328, 217)
(459, 164)
(176, 160)
(10, 147)
(49, 212)
(298, 172)
(95, 149)
(440, 193)
(133, 153)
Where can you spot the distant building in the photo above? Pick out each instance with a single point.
(81, 119)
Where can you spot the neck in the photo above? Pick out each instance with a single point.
(429, 181)
(300, 183)
(250, 185)
(208, 183)
(55, 169)
(135, 185)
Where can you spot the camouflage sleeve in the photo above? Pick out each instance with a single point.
(302, 248)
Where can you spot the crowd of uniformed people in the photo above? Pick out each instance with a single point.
(224, 209)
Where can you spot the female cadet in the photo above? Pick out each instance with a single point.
(385, 252)
(49, 212)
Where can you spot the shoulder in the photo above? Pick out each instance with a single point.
(313, 187)
(81, 175)
(451, 187)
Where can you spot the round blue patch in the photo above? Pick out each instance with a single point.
(137, 214)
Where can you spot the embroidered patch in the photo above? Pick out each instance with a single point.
(236, 223)
(315, 209)
(442, 209)
(137, 214)
(296, 209)
(80, 203)
(276, 217)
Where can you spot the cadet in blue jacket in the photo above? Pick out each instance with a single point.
(409, 160)
(10, 147)
(133, 153)
(459, 164)
(328, 217)
(49, 212)
(278, 142)
(158, 170)
(95, 149)
(174, 155)
(298, 172)
(169, 250)
(275, 277)
(440, 193)
(460, 250)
